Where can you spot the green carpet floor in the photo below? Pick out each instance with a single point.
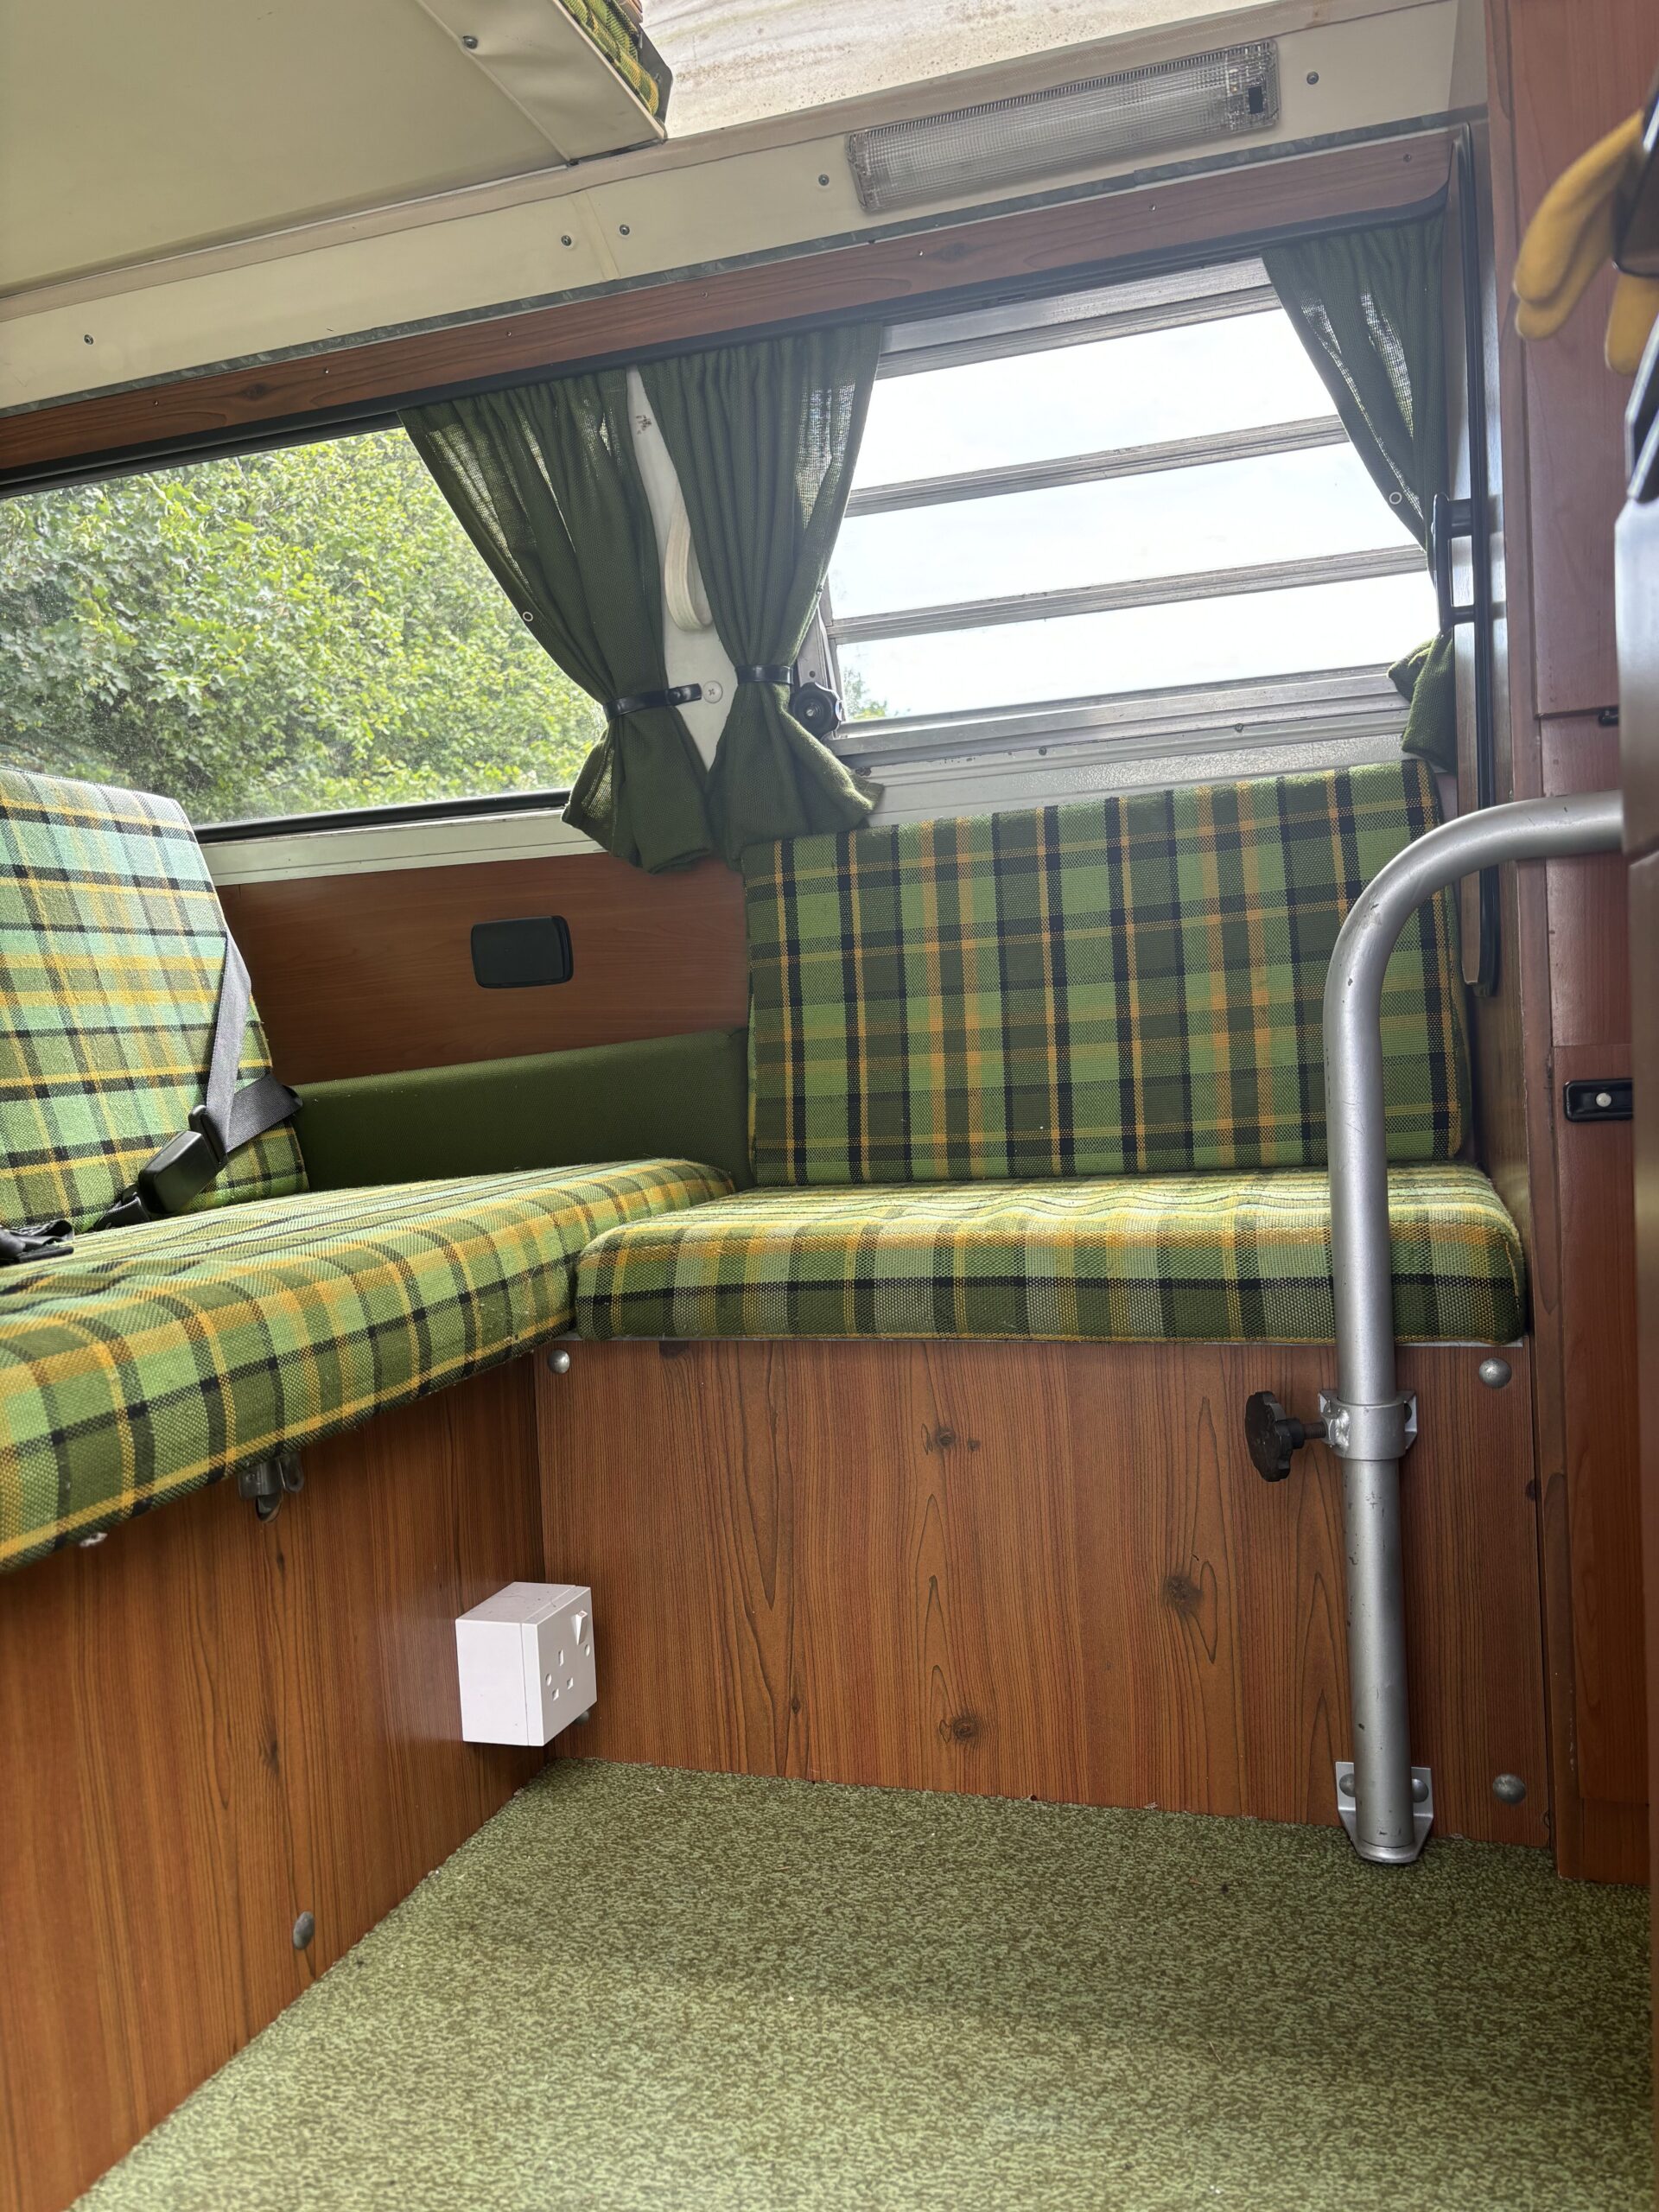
(636, 1988)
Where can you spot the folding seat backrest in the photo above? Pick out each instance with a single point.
(1125, 985)
(112, 947)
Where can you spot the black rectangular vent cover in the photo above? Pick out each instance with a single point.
(516, 956)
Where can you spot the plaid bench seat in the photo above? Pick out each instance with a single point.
(151, 1360)
(1133, 1259)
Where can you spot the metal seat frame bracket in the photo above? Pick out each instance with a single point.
(1387, 1806)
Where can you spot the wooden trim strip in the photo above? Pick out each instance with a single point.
(1084, 238)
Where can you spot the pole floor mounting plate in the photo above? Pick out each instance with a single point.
(1422, 1809)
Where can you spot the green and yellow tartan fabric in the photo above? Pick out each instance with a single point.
(1125, 986)
(613, 35)
(1140, 1259)
(112, 947)
(152, 1359)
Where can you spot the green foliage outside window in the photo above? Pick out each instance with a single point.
(274, 634)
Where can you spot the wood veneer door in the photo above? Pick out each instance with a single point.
(1032, 1571)
(208, 1727)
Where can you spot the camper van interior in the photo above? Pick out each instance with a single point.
(829, 1105)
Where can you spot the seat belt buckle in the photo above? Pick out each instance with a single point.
(179, 1172)
(35, 1240)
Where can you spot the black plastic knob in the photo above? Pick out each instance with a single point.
(1274, 1435)
(815, 707)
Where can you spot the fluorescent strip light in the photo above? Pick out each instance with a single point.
(1207, 96)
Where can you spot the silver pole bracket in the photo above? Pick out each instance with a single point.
(1422, 1809)
(1384, 1432)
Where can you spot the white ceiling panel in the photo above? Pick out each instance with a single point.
(131, 128)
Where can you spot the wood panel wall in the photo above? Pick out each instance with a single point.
(208, 1727)
(1034, 1571)
(1561, 74)
(879, 276)
(367, 974)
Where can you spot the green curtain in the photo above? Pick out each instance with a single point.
(763, 438)
(1367, 307)
(544, 479)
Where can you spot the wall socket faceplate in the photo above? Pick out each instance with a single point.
(526, 1662)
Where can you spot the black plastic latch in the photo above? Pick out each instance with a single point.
(1597, 1098)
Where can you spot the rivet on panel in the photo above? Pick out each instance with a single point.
(304, 1928)
(1494, 1372)
(558, 1363)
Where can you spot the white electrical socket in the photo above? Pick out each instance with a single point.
(526, 1662)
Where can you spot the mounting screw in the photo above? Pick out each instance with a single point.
(823, 177)
(558, 1363)
(87, 339)
(1312, 76)
(1494, 1372)
(1508, 1789)
(1345, 1784)
(567, 239)
(304, 1928)
(469, 42)
(623, 229)
(1419, 1790)
(88, 1543)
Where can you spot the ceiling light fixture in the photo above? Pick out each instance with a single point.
(1207, 96)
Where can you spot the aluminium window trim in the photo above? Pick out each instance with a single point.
(1140, 591)
(1255, 443)
(1312, 706)
(1209, 291)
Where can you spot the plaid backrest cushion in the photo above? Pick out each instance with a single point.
(111, 946)
(1124, 986)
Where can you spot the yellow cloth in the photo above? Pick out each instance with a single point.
(1567, 241)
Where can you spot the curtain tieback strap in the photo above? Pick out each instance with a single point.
(765, 672)
(640, 702)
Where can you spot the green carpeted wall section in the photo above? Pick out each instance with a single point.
(664, 1098)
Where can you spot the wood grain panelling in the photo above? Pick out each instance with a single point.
(1589, 929)
(363, 975)
(1645, 946)
(208, 1727)
(1032, 1571)
(884, 275)
(1577, 67)
(1603, 1483)
(1561, 74)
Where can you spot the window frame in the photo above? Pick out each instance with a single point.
(1331, 708)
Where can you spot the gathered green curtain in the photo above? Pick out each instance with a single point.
(763, 438)
(544, 478)
(1367, 307)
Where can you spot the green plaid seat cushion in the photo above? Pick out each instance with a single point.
(112, 947)
(617, 39)
(152, 1359)
(1209, 1258)
(1127, 986)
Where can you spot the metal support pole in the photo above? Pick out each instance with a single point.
(1369, 1423)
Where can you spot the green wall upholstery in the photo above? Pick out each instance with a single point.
(1122, 986)
(1142, 1259)
(151, 1359)
(112, 948)
(677, 1098)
